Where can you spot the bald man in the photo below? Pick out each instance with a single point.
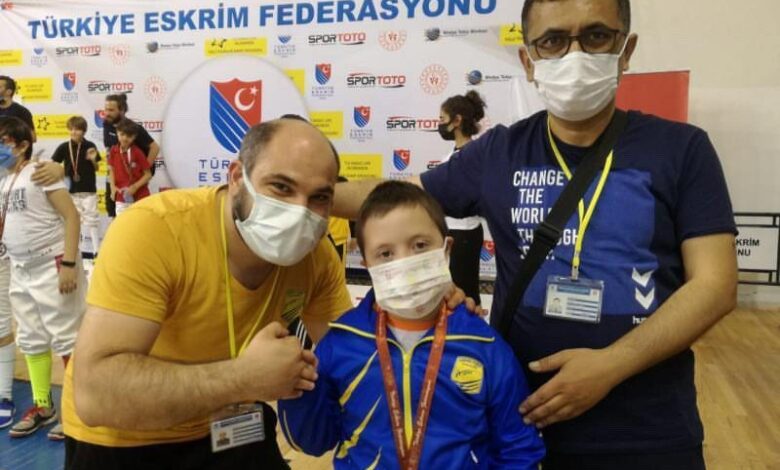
(185, 334)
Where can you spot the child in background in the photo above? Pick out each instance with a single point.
(81, 158)
(130, 171)
(404, 383)
(39, 228)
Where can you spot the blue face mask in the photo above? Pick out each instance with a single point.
(7, 157)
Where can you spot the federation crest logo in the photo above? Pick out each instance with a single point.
(362, 115)
(401, 159)
(322, 73)
(100, 116)
(488, 251)
(285, 39)
(234, 107)
(69, 80)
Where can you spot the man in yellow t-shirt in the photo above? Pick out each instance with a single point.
(188, 307)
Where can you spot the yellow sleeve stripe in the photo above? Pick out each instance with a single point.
(362, 333)
(352, 442)
(356, 381)
(376, 460)
(484, 339)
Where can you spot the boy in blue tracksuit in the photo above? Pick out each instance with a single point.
(403, 383)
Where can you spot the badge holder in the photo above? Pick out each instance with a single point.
(237, 425)
(574, 299)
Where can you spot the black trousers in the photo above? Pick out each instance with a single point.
(110, 204)
(464, 260)
(193, 455)
(689, 459)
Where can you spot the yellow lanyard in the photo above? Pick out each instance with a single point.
(229, 293)
(585, 216)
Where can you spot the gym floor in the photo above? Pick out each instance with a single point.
(737, 376)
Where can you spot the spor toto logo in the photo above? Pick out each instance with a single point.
(211, 111)
(343, 39)
(102, 86)
(367, 80)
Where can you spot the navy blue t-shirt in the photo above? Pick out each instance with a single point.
(666, 186)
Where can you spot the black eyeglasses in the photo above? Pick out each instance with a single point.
(594, 41)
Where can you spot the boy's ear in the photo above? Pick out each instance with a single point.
(448, 241)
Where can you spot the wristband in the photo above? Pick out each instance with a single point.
(68, 264)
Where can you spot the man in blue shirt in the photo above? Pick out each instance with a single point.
(618, 391)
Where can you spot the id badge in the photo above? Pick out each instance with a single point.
(237, 425)
(575, 300)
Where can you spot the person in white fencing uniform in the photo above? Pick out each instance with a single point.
(80, 158)
(7, 346)
(40, 233)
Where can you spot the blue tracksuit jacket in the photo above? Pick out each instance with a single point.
(474, 422)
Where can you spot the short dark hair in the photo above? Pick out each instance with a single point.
(471, 109)
(624, 12)
(391, 195)
(10, 83)
(18, 131)
(120, 99)
(261, 135)
(77, 122)
(128, 127)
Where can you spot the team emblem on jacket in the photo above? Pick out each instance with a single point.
(467, 373)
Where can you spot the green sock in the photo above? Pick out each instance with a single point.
(39, 367)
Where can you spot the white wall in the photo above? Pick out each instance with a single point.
(733, 52)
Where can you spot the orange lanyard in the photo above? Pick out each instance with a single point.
(7, 199)
(410, 457)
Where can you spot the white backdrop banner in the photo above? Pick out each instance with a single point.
(371, 74)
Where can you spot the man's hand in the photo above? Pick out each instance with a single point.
(585, 377)
(456, 297)
(68, 280)
(47, 173)
(274, 365)
(92, 154)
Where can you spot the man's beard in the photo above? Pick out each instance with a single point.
(240, 213)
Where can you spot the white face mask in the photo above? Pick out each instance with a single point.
(278, 232)
(578, 85)
(412, 287)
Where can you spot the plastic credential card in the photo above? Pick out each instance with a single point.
(237, 425)
(574, 299)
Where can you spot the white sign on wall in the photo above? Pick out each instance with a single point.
(757, 248)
